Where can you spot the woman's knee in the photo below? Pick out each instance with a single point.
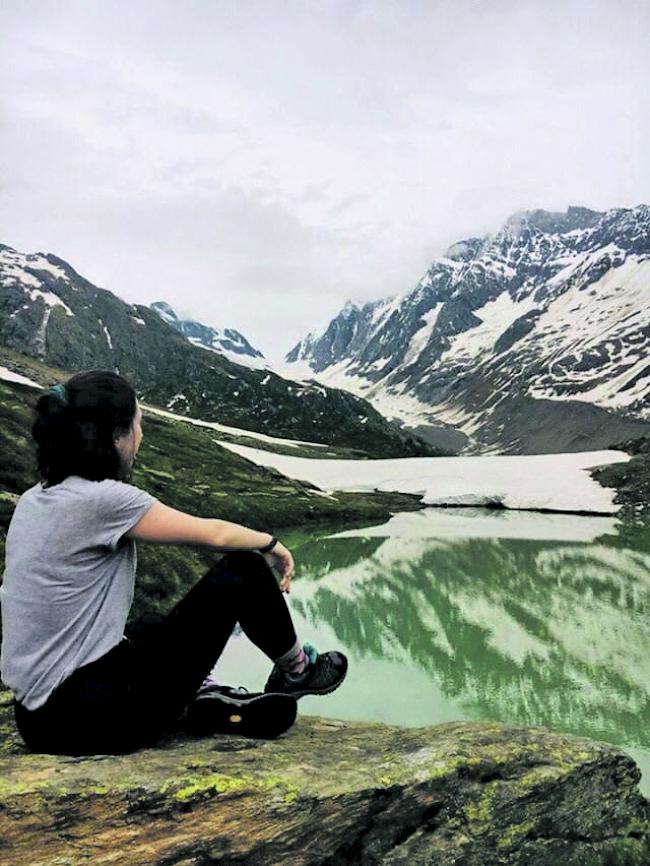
(246, 562)
(251, 557)
(243, 570)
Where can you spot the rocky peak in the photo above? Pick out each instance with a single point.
(465, 250)
(556, 222)
(226, 341)
(349, 308)
(164, 310)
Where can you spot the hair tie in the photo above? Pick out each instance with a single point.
(59, 390)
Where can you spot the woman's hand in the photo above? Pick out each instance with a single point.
(282, 561)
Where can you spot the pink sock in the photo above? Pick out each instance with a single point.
(293, 662)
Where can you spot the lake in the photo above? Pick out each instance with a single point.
(467, 613)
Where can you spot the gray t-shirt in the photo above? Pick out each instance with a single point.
(68, 580)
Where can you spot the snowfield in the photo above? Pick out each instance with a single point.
(540, 482)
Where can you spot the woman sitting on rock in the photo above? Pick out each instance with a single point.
(80, 685)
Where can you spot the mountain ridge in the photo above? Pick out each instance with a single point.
(49, 311)
(552, 307)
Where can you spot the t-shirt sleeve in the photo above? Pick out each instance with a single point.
(119, 507)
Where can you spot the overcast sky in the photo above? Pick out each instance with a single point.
(256, 164)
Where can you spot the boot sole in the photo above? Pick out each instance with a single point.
(263, 717)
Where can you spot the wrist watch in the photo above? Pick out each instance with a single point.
(268, 546)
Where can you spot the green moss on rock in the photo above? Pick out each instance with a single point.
(332, 792)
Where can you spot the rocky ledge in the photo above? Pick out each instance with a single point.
(329, 793)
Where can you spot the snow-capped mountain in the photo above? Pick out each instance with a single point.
(228, 342)
(50, 312)
(532, 339)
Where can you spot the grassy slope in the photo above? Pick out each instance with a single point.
(277, 447)
(184, 467)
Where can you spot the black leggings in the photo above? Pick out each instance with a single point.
(134, 693)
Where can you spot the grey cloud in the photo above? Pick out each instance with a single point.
(265, 161)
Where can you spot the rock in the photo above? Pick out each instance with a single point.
(328, 793)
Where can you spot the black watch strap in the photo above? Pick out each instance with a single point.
(268, 546)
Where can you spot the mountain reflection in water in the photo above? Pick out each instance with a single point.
(482, 615)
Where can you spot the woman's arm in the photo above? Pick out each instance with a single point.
(164, 525)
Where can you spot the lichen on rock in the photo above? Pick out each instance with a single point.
(328, 793)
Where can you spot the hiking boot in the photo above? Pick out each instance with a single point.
(227, 710)
(324, 673)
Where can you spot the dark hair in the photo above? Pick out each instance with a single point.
(75, 427)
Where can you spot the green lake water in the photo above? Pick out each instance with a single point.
(447, 614)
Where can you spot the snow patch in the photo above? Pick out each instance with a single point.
(15, 263)
(421, 337)
(9, 376)
(175, 399)
(39, 263)
(13, 274)
(386, 308)
(496, 317)
(51, 300)
(244, 360)
(553, 482)
(379, 364)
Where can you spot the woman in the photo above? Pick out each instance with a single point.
(81, 686)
